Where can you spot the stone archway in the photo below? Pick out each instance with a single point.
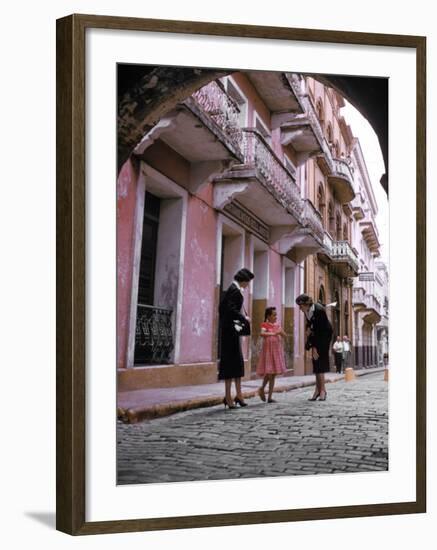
(146, 93)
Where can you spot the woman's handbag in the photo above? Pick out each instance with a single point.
(242, 327)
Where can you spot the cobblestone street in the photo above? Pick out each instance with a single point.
(346, 433)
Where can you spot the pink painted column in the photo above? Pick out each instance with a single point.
(126, 205)
(199, 307)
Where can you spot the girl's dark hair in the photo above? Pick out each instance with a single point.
(268, 312)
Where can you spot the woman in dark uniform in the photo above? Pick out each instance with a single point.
(231, 364)
(319, 335)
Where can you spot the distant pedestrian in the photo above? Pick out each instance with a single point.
(347, 352)
(232, 320)
(318, 341)
(271, 360)
(338, 349)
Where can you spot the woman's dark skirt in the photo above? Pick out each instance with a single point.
(321, 364)
(231, 364)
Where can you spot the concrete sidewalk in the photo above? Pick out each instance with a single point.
(137, 405)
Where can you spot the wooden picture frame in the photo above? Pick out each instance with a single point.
(71, 275)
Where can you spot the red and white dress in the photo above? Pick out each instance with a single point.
(271, 359)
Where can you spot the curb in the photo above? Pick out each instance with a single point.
(133, 416)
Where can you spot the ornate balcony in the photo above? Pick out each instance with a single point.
(345, 259)
(358, 297)
(367, 305)
(307, 238)
(203, 130)
(262, 184)
(340, 177)
(153, 336)
(370, 235)
(312, 220)
(222, 109)
(340, 256)
(372, 302)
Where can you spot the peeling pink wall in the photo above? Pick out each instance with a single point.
(126, 203)
(198, 308)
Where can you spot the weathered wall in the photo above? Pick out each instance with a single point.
(198, 307)
(126, 204)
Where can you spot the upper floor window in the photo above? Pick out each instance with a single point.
(239, 99)
(331, 219)
(345, 232)
(338, 232)
(322, 296)
(329, 135)
(262, 128)
(319, 109)
(289, 165)
(321, 202)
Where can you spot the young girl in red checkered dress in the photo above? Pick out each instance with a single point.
(271, 361)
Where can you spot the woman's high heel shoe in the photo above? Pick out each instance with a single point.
(325, 395)
(314, 397)
(226, 404)
(240, 402)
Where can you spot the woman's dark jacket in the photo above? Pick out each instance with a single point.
(320, 329)
(231, 363)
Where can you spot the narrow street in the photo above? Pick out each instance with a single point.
(346, 433)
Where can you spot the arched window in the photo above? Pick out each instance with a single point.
(346, 319)
(319, 109)
(322, 299)
(345, 232)
(338, 234)
(321, 202)
(331, 219)
(330, 136)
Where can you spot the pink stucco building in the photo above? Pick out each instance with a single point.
(228, 178)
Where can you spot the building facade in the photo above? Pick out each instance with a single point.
(367, 304)
(249, 171)
(382, 333)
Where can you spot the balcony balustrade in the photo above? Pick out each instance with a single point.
(372, 302)
(222, 109)
(368, 304)
(153, 336)
(342, 252)
(340, 176)
(259, 155)
(312, 219)
(340, 256)
(358, 297)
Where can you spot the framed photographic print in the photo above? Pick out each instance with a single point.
(212, 177)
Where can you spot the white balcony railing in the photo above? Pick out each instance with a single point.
(369, 300)
(341, 250)
(216, 103)
(359, 296)
(258, 154)
(373, 303)
(341, 167)
(327, 243)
